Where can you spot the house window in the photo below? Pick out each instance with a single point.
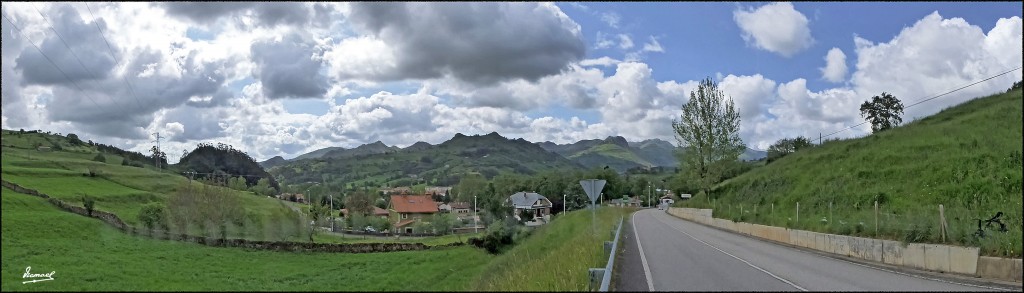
(405, 216)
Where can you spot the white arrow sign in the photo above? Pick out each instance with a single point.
(593, 188)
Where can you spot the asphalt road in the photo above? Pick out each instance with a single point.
(665, 253)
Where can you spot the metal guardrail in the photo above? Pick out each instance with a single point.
(605, 274)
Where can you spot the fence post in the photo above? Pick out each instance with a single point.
(876, 218)
(798, 212)
(830, 219)
(942, 223)
(772, 214)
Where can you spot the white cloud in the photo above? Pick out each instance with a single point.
(611, 18)
(835, 66)
(625, 42)
(653, 46)
(603, 61)
(603, 41)
(936, 55)
(775, 27)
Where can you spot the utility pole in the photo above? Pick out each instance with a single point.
(563, 203)
(156, 156)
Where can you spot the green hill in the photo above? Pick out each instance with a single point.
(966, 158)
(611, 155)
(317, 153)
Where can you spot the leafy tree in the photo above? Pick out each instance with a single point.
(74, 139)
(238, 183)
(1016, 85)
(89, 203)
(442, 223)
(159, 156)
(263, 188)
(318, 214)
(708, 130)
(152, 215)
(470, 185)
(883, 112)
(359, 203)
(787, 146)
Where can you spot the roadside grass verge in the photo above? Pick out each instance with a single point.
(88, 255)
(556, 256)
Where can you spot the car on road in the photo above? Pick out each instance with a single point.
(370, 229)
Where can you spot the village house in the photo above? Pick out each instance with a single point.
(539, 205)
(408, 209)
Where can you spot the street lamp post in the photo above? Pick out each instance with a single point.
(332, 211)
(476, 226)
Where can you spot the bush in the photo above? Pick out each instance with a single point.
(88, 202)
(499, 235)
(100, 158)
(152, 215)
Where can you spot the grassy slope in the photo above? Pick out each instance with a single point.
(122, 190)
(555, 257)
(613, 151)
(967, 158)
(88, 255)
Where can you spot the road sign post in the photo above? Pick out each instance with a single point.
(593, 189)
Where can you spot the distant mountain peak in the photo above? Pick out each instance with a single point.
(617, 140)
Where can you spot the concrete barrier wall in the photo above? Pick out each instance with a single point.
(913, 255)
(936, 257)
(999, 268)
(892, 252)
(933, 257)
(963, 260)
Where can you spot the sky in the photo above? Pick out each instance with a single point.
(283, 79)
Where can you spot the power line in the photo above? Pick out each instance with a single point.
(69, 48)
(928, 99)
(22, 33)
(111, 50)
(963, 87)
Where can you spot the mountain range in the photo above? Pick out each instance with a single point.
(487, 154)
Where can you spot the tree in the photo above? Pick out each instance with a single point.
(74, 139)
(1016, 85)
(787, 146)
(263, 187)
(883, 112)
(318, 213)
(442, 223)
(359, 203)
(89, 203)
(100, 158)
(469, 185)
(152, 215)
(708, 131)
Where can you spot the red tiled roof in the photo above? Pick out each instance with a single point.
(413, 204)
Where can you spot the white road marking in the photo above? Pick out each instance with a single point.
(643, 258)
(737, 258)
